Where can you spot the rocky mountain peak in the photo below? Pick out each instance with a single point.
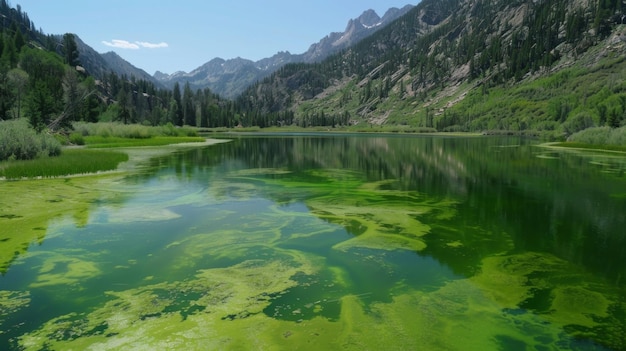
(229, 77)
(369, 18)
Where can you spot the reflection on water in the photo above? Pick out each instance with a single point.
(326, 242)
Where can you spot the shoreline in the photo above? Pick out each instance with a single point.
(581, 147)
(136, 155)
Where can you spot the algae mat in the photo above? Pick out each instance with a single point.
(227, 248)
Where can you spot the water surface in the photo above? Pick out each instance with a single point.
(323, 242)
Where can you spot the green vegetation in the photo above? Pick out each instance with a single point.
(601, 136)
(557, 105)
(70, 162)
(20, 142)
(601, 147)
(132, 131)
(28, 154)
(105, 135)
(108, 142)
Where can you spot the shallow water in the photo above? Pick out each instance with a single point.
(323, 242)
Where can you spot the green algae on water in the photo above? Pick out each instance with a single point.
(206, 310)
(274, 259)
(554, 290)
(11, 301)
(379, 216)
(27, 207)
(63, 269)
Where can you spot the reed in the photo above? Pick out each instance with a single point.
(132, 131)
(70, 162)
(98, 142)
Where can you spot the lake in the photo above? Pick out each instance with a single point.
(317, 241)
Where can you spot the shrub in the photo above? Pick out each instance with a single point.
(133, 131)
(169, 130)
(50, 146)
(580, 121)
(600, 136)
(77, 139)
(617, 137)
(18, 141)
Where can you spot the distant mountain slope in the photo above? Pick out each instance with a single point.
(417, 70)
(356, 30)
(99, 65)
(230, 77)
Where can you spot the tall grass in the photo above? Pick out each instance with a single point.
(132, 131)
(70, 162)
(18, 141)
(600, 136)
(95, 142)
(105, 135)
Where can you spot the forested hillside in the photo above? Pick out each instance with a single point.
(438, 66)
(549, 66)
(41, 79)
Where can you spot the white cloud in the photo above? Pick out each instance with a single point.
(121, 44)
(125, 44)
(152, 45)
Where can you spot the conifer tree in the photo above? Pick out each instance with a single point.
(178, 113)
(70, 50)
(189, 111)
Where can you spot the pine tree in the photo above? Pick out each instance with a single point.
(189, 111)
(18, 39)
(70, 50)
(178, 112)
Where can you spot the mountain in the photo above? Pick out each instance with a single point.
(230, 77)
(356, 30)
(123, 68)
(467, 65)
(100, 65)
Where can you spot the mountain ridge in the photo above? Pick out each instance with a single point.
(101, 64)
(430, 68)
(229, 77)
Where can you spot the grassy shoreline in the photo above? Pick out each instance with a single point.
(107, 153)
(70, 162)
(97, 158)
(97, 142)
(394, 130)
(588, 147)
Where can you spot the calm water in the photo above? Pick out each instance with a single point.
(327, 242)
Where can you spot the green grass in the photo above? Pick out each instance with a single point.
(361, 128)
(591, 146)
(97, 141)
(70, 162)
(134, 131)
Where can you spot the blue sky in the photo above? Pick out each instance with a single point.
(182, 35)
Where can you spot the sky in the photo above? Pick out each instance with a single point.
(178, 35)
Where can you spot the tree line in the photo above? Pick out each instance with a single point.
(41, 79)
